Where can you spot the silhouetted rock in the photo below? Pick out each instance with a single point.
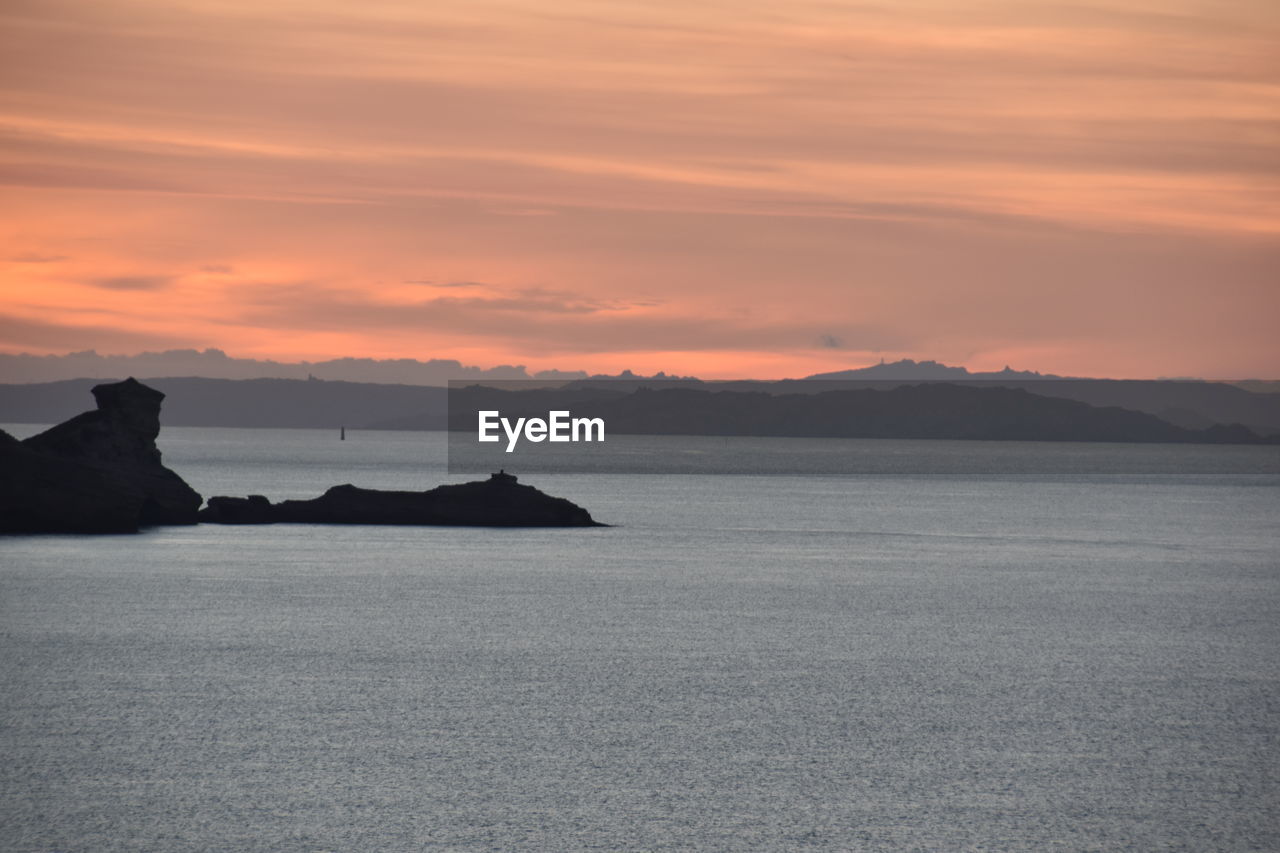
(40, 493)
(254, 509)
(98, 472)
(497, 502)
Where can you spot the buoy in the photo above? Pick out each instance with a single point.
(342, 433)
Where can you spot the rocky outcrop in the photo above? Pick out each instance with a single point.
(40, 493)
(96, 473)
(499, 501)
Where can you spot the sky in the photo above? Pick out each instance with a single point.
(726, 189)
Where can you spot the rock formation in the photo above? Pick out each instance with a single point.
(99, 472)
(497, 502)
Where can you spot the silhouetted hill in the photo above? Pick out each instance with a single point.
(1192, 406)
(1190, 403)
(194, 401)
(216, 364)
(1258, 386)
(910, 370)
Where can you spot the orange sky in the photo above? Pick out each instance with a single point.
(723, 188)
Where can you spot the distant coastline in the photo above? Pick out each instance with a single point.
(1015, 409)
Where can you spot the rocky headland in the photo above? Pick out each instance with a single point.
(99, 472)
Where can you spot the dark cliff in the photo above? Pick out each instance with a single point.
(98, 472)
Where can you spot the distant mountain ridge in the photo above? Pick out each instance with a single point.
(23, 368)
(216, 364)
(254, 403)
(909, 369)
(199, 401)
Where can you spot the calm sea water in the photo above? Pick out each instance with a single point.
(820, 645)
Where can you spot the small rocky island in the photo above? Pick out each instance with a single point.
(100, 472)
(499, 501)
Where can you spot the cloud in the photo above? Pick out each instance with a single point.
(132, 282)
(542, 320)
(50, 336)
(317, 300)
(518, 305)
(37, 258)
(523, 211)
(1028, 98)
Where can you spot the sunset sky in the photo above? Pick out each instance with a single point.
(722, 188)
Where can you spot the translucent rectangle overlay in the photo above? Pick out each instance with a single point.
(1036, 429)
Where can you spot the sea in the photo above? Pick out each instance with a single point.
(777, 644)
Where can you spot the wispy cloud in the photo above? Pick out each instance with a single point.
(540, 320)
(36, 258)
(132, 282)
(19, 334)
